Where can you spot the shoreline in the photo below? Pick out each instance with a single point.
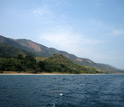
(46, 73)
(43, 73)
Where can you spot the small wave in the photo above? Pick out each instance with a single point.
(61, 94)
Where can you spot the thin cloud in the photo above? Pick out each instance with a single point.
(42, 11)
(117, 32)
(44, 14)
(70, 42)
(99, 24)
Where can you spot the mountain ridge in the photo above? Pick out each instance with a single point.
(43, 51)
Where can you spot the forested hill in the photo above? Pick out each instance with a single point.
(56, 63)
(12, 47)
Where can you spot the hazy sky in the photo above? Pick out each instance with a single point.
(91, 29)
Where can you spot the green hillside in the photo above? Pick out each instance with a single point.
(64, 62)
(55, 63)
(11, 47)
(10, 51)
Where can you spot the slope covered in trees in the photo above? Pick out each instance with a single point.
(38, 50)
(55, 63)
(10, 51)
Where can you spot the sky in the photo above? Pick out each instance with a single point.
(92, 29)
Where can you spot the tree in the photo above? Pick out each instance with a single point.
(20, 56)
(41, 64)
(30, 59)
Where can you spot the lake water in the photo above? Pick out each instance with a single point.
(61, 90)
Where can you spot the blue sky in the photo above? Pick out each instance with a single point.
(91, 29)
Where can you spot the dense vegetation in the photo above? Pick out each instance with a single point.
(62, 61)
(55, 63)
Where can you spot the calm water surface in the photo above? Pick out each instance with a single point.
(61, 90)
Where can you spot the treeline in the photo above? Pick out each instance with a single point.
(20, 63)
(29, 64)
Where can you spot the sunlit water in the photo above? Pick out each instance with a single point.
(61, 90)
